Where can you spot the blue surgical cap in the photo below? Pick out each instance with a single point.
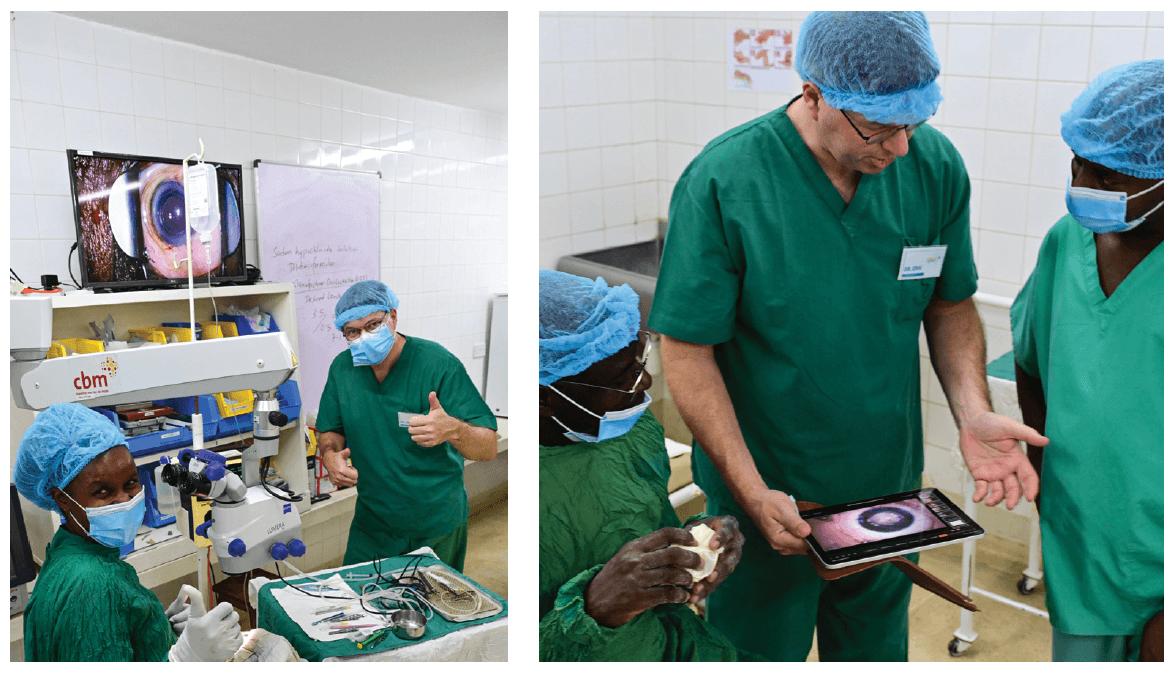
(581, 322)
(62, 440)
(1117, 120)
(362, 299)
(879, 64)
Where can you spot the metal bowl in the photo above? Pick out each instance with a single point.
(408, 624)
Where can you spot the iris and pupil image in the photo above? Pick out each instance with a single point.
(167, 209)
(885, 519)
(870, 524)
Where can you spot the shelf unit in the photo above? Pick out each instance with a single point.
(72, 315)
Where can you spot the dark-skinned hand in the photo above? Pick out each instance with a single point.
(728, 535)
(1152, 649)
(644, 573)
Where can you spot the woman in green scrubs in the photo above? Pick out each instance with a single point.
(1088, 330)
(87, 604)
(611, 586)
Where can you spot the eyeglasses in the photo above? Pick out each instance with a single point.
(647, 338)
(352, 333)
(881, 137)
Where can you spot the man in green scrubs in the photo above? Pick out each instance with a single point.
(794, 282)
(407, 415)
(1088, 367)
(611, 585)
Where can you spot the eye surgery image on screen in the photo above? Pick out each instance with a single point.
(870, 524)
(131, 221)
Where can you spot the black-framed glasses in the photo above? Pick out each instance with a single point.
(881, 137)
(643, 365)
(352, 333)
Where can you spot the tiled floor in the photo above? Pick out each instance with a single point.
(487, 557)
(1006, 634)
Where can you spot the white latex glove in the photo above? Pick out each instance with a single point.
(211, 637)
(179, 611)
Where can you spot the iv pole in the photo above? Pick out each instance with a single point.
(202, 553)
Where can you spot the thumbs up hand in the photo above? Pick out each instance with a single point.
(435, 428)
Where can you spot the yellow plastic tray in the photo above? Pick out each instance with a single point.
(234, 403)
(76, 345)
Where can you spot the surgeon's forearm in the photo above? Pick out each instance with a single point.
(701, 396)
(475, 443)
(330, 442)
(957, 350)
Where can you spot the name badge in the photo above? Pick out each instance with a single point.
(405, 417)
(920, 262)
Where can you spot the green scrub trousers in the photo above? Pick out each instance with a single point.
(407, 494)
(89, 606)
(1073, 648)
(1100, 361)
(817, 343)
(593, 499)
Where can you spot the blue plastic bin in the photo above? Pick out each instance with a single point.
(145, 444)
(187, 406)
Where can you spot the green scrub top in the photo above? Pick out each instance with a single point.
(89, 606)
(593, 499)
(1101, 362)
(816, 339)
(404, 489)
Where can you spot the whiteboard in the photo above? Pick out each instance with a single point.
(319, 229)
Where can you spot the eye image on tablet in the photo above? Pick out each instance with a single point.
(889, 525)
(881, 522)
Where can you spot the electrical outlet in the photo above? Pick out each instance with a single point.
(478, 350)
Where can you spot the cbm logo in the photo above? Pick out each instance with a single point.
(84, 382)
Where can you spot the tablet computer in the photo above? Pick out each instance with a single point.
(869, 530)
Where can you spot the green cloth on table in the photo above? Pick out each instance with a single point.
(593, 499)
(815, 337)
(272, 617)
(404, 489)
(1100, 361)
(89, 606)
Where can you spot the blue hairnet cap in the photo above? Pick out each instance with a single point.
(62, 440)
(879, 64)
(581, 322)
(1117, 120)
(362, 299)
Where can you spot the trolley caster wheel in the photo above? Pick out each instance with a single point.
(1026, 585)
(957, 647)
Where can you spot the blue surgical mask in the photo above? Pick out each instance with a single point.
(611, 424)
(372, 348)
(1104, 211)
(115, 525)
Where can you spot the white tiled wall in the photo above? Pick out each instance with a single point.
(77, 84)
(1006, 77)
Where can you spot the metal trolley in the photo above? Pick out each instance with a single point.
(1001, 379)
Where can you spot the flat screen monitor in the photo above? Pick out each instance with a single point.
(129, 212)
